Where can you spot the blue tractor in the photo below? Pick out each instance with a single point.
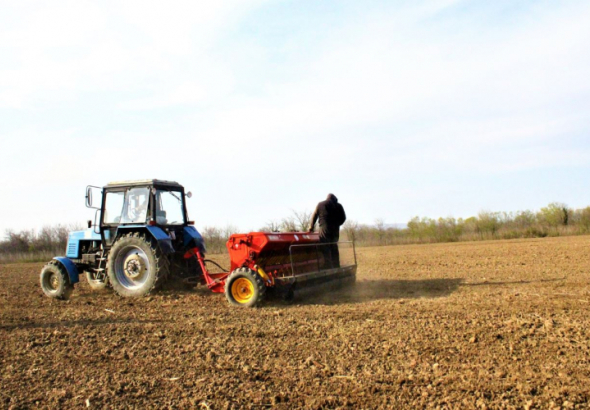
(138, 240)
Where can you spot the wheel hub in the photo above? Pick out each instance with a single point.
(134, 266)
(242, 290)
(53, 281)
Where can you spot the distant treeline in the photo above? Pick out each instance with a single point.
(555, 219)
(31, 245)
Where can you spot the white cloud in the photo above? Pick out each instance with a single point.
(60, 49)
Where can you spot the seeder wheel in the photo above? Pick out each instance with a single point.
(244, 287)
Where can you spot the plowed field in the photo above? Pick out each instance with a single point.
(492, 324)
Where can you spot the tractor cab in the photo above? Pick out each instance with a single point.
(155, 207)
(149, 202)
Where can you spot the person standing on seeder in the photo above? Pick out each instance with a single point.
(330, 215)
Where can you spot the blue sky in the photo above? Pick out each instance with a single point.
(400, 108)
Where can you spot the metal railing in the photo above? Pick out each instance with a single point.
(308, 258)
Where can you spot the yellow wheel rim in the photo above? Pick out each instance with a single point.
(242, 290)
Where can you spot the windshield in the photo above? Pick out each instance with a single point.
(169, 210)
(136, 205)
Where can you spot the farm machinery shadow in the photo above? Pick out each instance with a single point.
(370, 290)
(513, 282)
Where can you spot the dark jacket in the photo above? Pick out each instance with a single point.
(330, 215)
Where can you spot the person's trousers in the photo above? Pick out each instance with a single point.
(330, 251)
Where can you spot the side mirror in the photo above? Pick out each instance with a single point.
(89, 224)
(189, 194)
(89, 196)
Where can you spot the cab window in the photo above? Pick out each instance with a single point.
(169, 209)
(113, 207)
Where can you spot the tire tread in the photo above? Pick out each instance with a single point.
(253, 276)
(66, 290)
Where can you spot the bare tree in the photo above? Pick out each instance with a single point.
(289, 224)
(303, 219)
(350, 229)
(271, 226)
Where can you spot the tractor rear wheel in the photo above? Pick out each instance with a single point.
(244, 287)
(135, 266)
(55, 281)
(96, 281)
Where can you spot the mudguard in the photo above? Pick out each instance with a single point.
(70, 268)
(162, 238)
(159, 235)
(192, 235)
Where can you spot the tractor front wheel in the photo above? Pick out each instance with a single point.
(244, 287)
(55, 281)
(135, 266)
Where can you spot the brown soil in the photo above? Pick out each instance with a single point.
(493, 324)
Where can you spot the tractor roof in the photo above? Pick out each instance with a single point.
(144, 182)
